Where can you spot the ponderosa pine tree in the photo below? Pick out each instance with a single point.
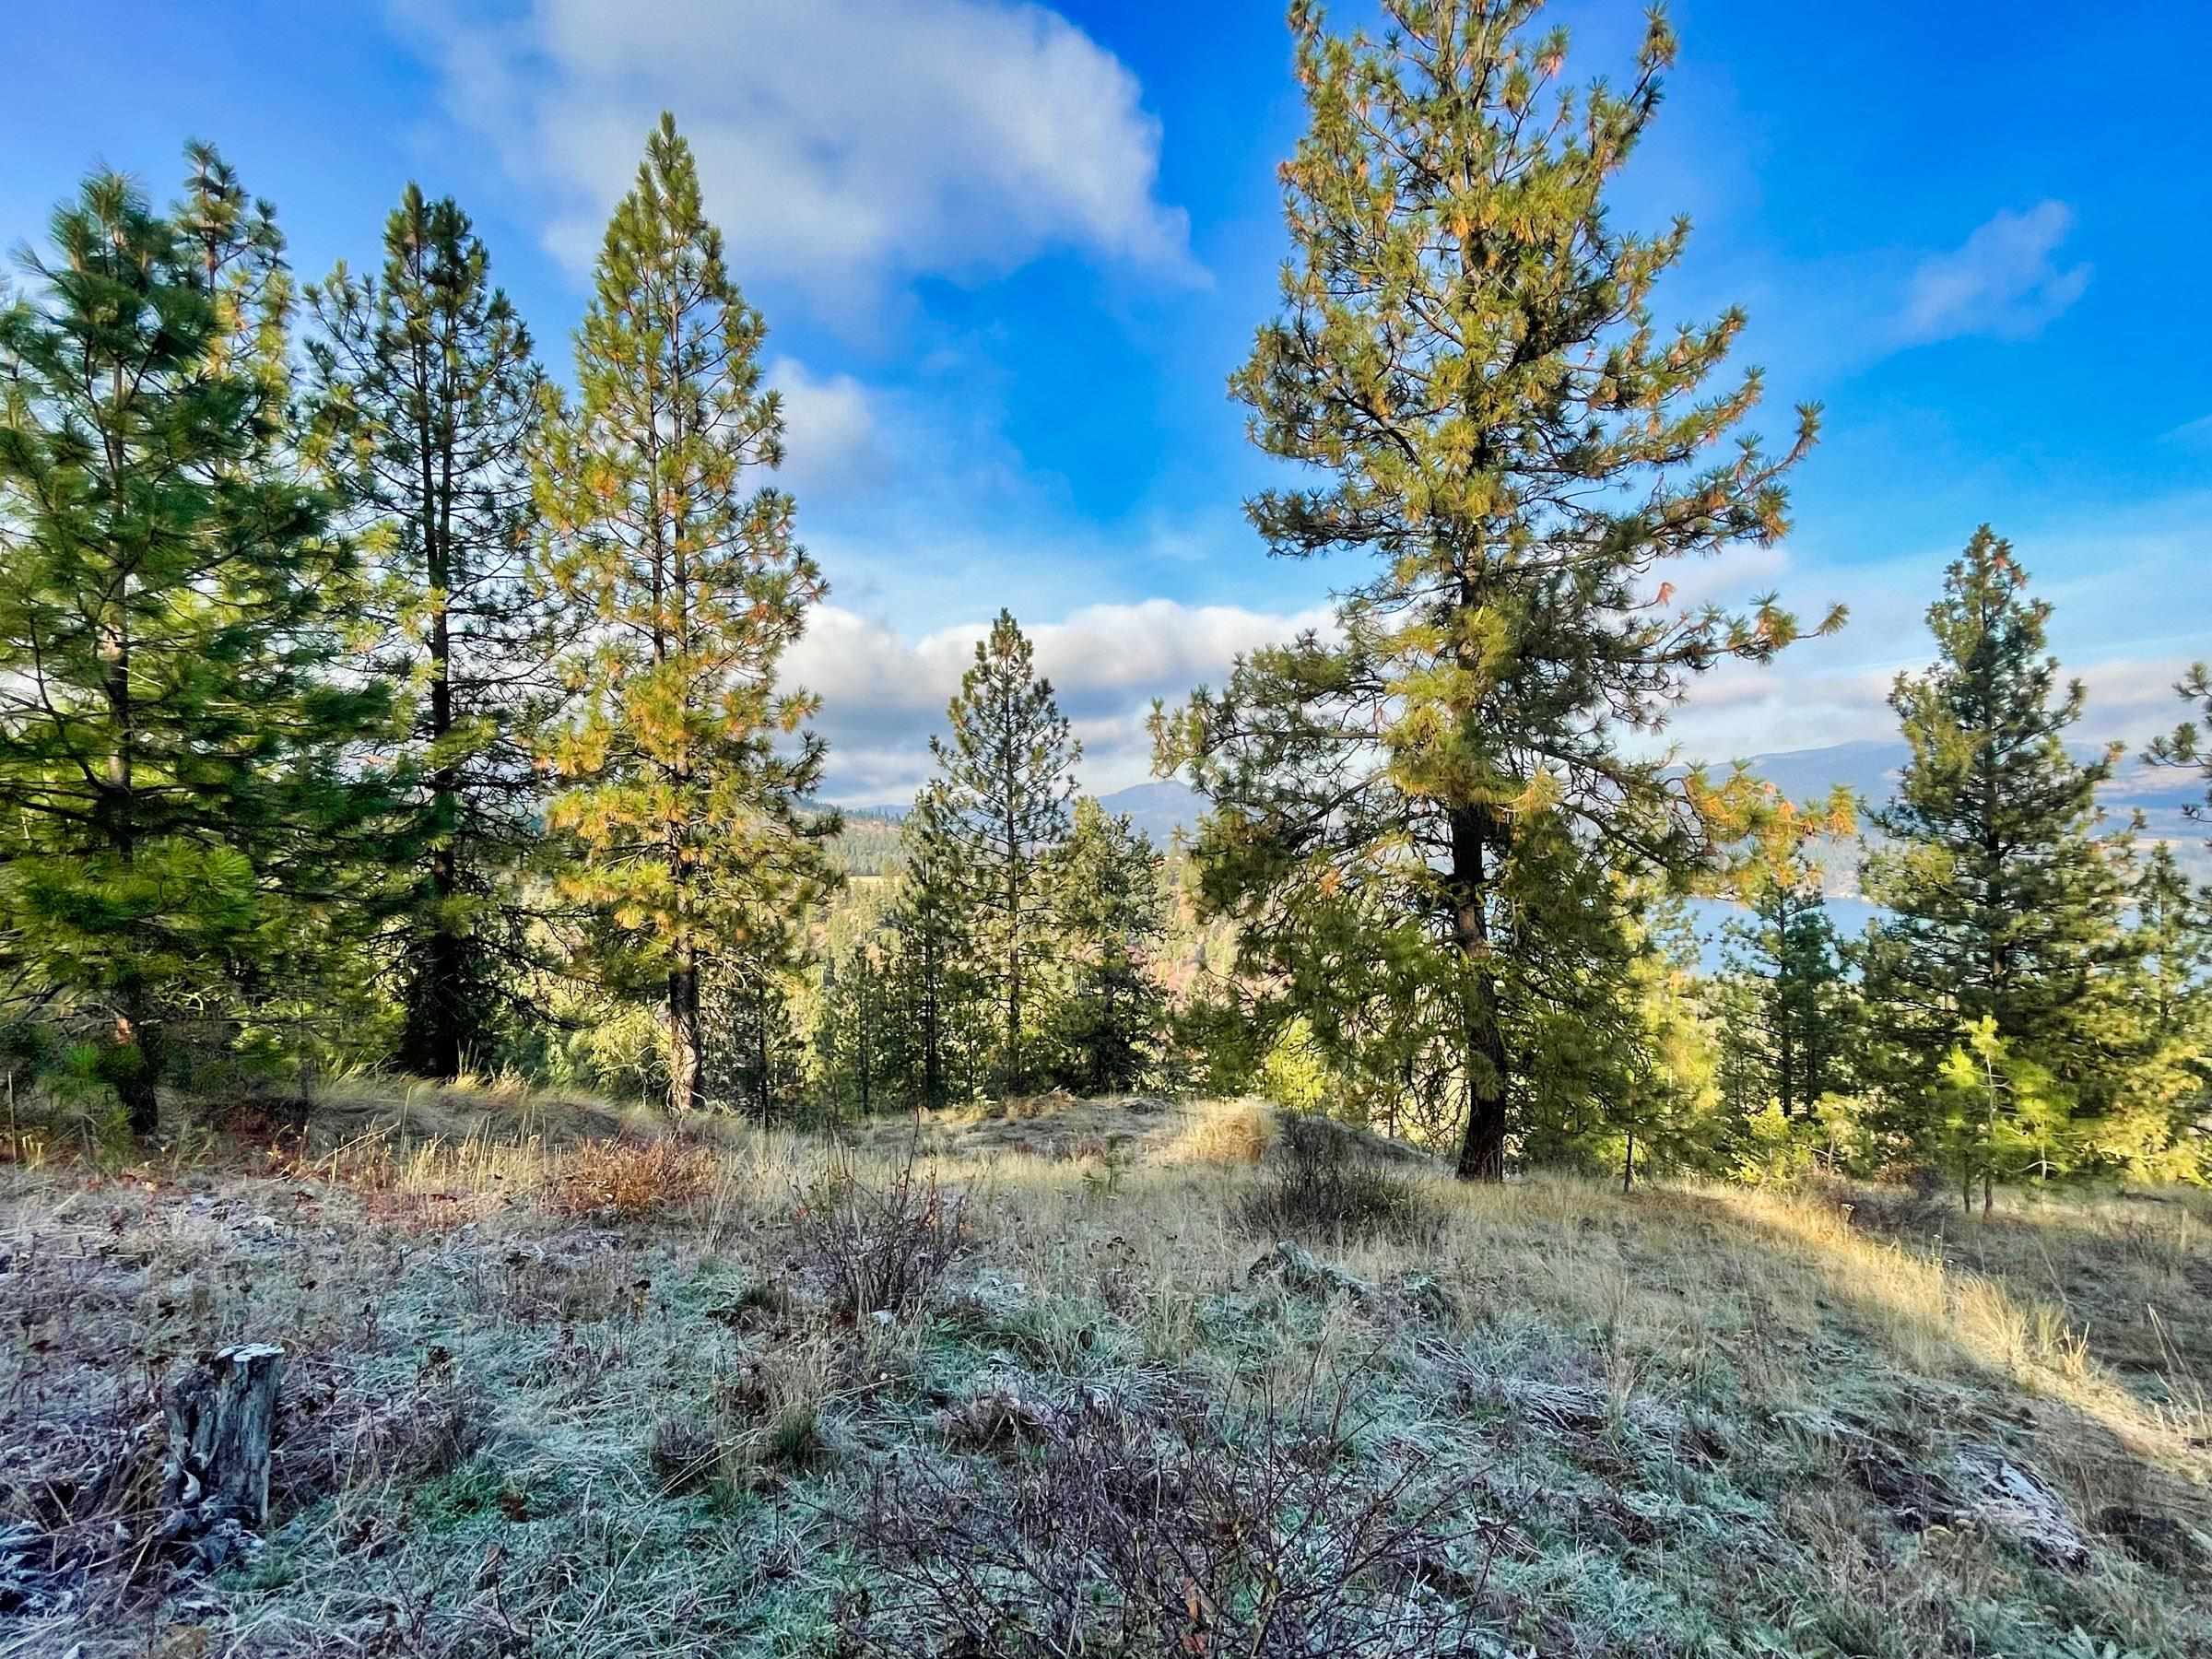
(1007, 776)
(425, 395)
(167, 741)
(686, 765)
(1662, 1102)
(1791, 965)
(1113, 910)
(1466, 345)
(862, 1035)
(2004, 900)
(754, 1055)
(937, 950)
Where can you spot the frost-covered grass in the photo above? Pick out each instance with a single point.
(519, 1419)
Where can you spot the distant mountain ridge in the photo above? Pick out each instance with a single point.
(1869, 769)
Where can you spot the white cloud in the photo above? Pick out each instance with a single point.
(2117, 624)
(886, 674)
(842, 146)
(831, 434)
(2003, 280)
(884, 695)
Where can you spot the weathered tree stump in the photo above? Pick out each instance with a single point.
(221, 1414)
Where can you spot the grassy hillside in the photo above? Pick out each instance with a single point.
(1092, 1375)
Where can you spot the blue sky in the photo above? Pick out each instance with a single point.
(1010, 254)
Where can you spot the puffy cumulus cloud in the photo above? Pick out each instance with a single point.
(2005, 279)
(885, 688)
(832, 438)
(842, 145)
(883, 695)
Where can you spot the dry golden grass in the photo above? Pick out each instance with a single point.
(630, 1180)
(1223, 1132)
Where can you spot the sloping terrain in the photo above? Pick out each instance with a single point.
(1093, 1377)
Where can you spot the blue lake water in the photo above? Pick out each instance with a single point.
(1850, 917)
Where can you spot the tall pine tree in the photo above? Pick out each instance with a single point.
(168, 740)
(1007, 776)
(930, 914)
(2004, 900)
(424, 391)
(686, 765)
(1797, 1027)
(1112, 912)
(1466, 348)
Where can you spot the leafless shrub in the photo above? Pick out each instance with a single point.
(78, 1507)
(1326, 1185)
(1916, 1202)
(1262, 1533)
(881, 1245)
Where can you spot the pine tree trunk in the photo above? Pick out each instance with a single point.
(867, 1034)
(932, 1058)
(137, 1077)
(431, 1043)
(1482, 1147)
(447, 965)
(761, 1048)
(686, 1081)
(1013, 935)
(137, 1080)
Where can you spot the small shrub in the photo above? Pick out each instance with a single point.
(882, 1246)
(1262, 1535)
(1326, 1185)
(1919, 1203)
(629, 1179)
(684, 1453)
(765, 1423)
(1105, 1168)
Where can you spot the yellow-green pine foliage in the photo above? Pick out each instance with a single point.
(2161, 1122)
(683, 770)
(1466, 356)
(2004, 1116)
